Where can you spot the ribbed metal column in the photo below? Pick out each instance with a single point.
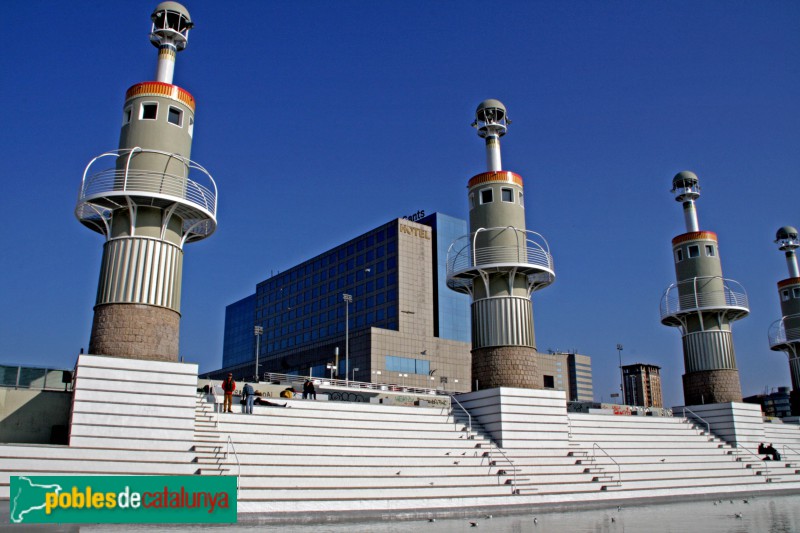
(708, 350)
(142, 271)
(502, 321)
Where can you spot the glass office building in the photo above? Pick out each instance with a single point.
(402, 319)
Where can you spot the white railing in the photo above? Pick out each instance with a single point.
(350, 384)
(469, 416)
(127, 181)
(760, 459)
(780, 334)
(596, 446)
(686, 296)
(229, 447)
(530, 248)
(698, 417)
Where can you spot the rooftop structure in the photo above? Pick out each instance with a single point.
(702, 305)
(499, 263)
(148, 199)
(784, 334)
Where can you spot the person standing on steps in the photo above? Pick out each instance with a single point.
(228, 386)
(249, 396)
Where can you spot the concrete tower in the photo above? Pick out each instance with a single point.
(148, 199)
(499, 264)
(703, 305)
(784, 334)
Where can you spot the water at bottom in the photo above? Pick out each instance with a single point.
(743, 514)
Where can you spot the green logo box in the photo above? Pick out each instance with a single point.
(122, 499)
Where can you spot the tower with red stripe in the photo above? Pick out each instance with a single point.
(702, 304)
(500, 264)
(784, 334)
(148, 199)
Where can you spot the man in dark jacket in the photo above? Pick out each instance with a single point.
(228, 386)
(249, 396)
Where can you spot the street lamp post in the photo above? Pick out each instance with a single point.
(356, 369)
(258, 331)
(348, 299)
(621, 375)
(404, 376)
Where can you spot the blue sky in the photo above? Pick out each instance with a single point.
(320, 120)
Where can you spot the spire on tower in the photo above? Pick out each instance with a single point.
(686, 188)
(787, 241)
(491, 122)
(169, 33)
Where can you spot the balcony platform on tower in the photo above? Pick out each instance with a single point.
(529, 256)
(710, 294)
(181, 185)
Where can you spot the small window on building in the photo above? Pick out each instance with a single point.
(191, 126)
(678, 255)
(694, 251)
(549, 382)
(796, 292)
(710, 252)
(785, 294)
(175, 116)
(486, 196)
(472, 200)
(126, 116)
(149, 111)
(507, 195)
(520, 199)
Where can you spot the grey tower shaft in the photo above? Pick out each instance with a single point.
(148, 199)
(784, 334)
(703, 304)
(500, 264)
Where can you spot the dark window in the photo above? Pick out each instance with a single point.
(174, 116)
(710, 252)
(678, 255)
(549, 382)
(694, 251)
(149, 111)
(507, 195)
(486, 196)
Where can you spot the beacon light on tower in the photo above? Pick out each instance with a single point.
(148, 199)
(499, 264)
(784, 334)
(703, 304)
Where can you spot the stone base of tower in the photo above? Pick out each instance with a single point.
(135, 331)
(505, 366)
(712, 386)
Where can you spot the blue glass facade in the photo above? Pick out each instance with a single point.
(452, 318)
(239, 340)
(302, 308)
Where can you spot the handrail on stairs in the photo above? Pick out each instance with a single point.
(619, 469)
(784, 451)
(230, 446)
(700, 418)
(469, 416)
(766, 466)
(509, 461)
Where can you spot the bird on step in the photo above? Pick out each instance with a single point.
(473, 524)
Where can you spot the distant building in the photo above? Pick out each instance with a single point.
(642, 385)
(405, 325)
(775, 404)
(569, 372)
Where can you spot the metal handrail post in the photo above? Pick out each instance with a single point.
(619, 469)
(766, 466)
(230, 446)
(700, 418)
(469, 416)
(509, 461)
(787, 446)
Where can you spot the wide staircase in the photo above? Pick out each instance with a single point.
(338, 456)
(656, 453)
